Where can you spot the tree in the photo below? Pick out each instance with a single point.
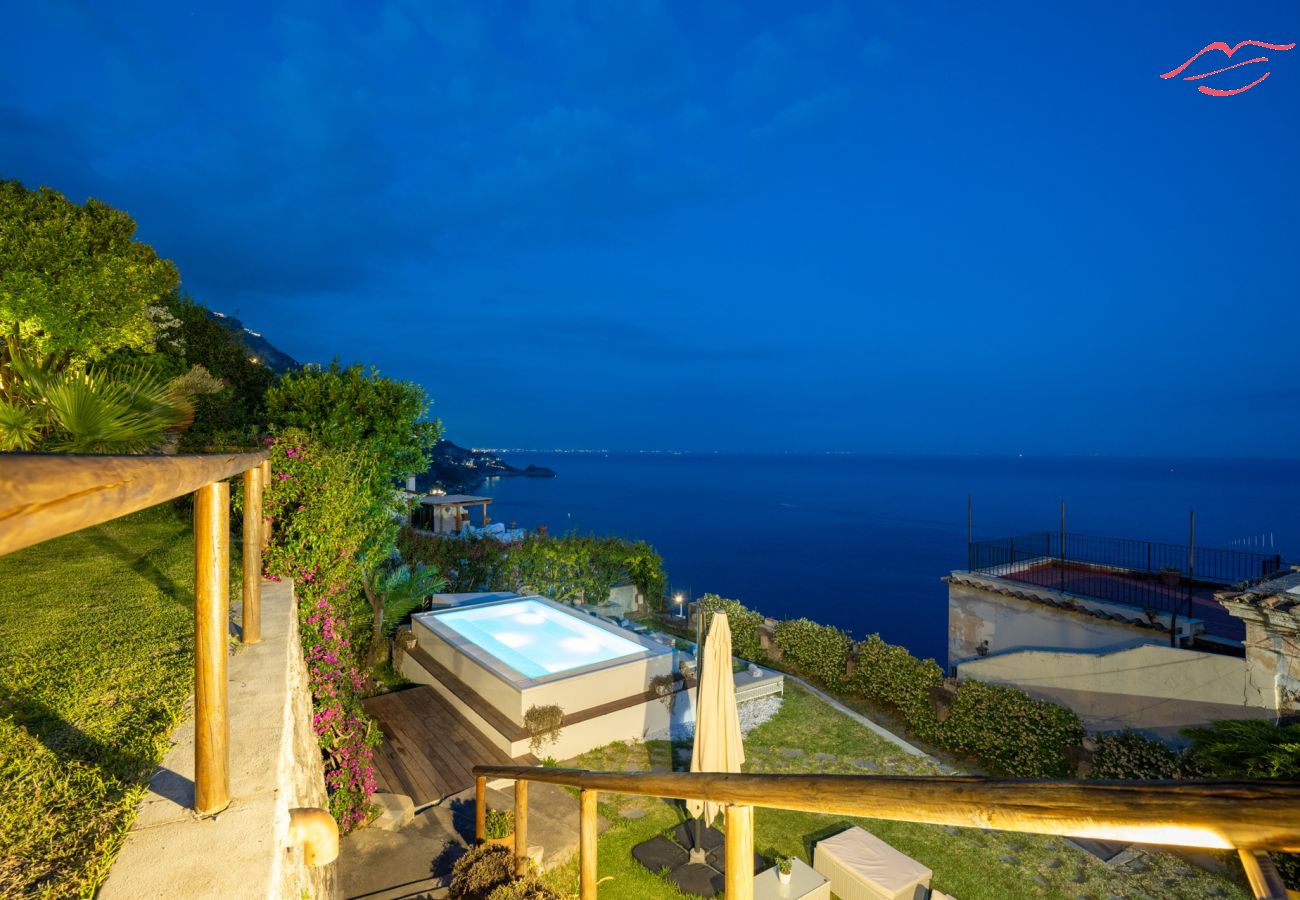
(235, 417)
(355, 407)
(74, 284)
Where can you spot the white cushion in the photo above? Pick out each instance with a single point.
(863, 853)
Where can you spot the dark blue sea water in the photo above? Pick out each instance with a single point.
(862, 541)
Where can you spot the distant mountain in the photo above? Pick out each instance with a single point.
(258, 347)
(458, 470)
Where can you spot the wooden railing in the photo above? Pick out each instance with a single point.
(44, 496)
(1251, 817)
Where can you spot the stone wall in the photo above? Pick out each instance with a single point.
(275, 766)
(1153, 688)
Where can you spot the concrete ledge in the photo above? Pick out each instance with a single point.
(275, 765)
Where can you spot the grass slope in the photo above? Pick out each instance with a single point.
(96, 664)
(968, 863)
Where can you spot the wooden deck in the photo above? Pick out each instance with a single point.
(429, 748)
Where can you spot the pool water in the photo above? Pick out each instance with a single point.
(535, 639)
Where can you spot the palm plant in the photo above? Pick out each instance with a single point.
(394, 591)
(79, 409)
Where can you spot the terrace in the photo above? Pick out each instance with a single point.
(45, 497)
(1177, 580)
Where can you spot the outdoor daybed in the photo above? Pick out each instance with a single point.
(860, 866)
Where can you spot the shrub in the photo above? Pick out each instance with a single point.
(665, 688)
(1252, 748)
(321, 525)
(470, 564)
(742, 622)
(1132, 756)
(818, 650)
(888, 674)
(498, 824)
(544, 724)
(1247, 748)
(1011, 732)
(481, 871)
(573, 568)
(525, 888)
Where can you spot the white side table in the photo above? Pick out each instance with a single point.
(806, 883)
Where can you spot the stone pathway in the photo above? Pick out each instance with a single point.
(415, 861)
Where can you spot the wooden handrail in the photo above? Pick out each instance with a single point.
(1254, 815)
(44, 496)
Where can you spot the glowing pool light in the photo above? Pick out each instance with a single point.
(536, 639)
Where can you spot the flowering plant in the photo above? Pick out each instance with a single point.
(325, 521)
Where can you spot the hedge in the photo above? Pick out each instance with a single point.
(1132, 756)
(1010, 732)
(743, 623)
(1007, 730)
(571, 568)
(820, 650)
(888, 674)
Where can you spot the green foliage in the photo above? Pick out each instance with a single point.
(818, 650)
(1132, 756)
(323, 525)
(73, 283)
(235, 417)
(1247, 748)
(572, 568)
(742, 622)
(468, 564)
(1010, 732)
(81, 409)
(544, 724)
(1252, 748)
(888, 674)
(355, 407)
(405, 589)
(498, 824)
(482, 870)
(527, 887)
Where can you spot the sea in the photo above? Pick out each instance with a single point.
(862, 541)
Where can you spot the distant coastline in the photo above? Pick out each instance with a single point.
(460, 470)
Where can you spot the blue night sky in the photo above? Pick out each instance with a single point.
(880, 227)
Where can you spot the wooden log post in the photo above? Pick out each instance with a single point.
(211, 613)
(252, 618)
(587, 844)
(1261, 872)
(740, 852)
(266, 523)
(480, 809)
(521, 827)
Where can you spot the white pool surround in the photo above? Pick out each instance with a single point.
(527, 651)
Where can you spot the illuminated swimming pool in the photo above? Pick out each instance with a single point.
(537, 638)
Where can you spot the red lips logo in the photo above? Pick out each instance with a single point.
(1227, 51)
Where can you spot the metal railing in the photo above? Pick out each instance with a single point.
(1252, 817)
(1143, 574)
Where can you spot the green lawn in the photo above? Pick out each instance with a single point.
(968, 863)
(96, 663)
